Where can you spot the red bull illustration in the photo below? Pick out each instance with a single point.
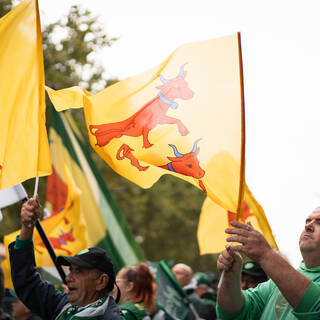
(61, 240)
(150, 115)
(57, 192)
(186, 164)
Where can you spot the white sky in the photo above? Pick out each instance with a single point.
(281, 51)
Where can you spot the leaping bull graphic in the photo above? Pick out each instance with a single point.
(186, 164)
(150, 115)
(125, 152)
(60, 241)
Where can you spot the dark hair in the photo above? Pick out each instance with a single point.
(144, 287)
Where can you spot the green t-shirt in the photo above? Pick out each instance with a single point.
(133, 311)
(266, 302)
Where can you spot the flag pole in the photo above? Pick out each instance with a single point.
(243, 132)
(46, 241)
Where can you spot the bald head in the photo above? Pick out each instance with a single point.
(183, 273)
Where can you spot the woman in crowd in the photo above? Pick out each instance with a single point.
(138, 291)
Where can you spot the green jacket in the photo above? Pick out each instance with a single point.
(133, 311)
(266, 302)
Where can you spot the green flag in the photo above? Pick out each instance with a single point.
(170, 295)
(105, 223)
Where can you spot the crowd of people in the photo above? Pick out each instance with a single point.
(265, 287)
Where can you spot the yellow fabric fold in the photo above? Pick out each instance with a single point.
(24, 149)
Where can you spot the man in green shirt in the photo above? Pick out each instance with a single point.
(289, 294)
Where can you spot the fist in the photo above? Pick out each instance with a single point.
(30, 212)
(229, 261)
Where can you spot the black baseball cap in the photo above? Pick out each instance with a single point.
(253, 269)
(92, 258)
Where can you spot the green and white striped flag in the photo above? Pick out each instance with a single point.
(105, 223)
(170, 295)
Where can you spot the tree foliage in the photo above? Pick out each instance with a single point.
(163, 218)
(70, 47)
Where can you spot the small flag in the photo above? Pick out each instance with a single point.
(214, 220)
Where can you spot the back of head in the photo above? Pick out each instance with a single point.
(252, 275)
(183, 274)
(254, 269)
(184, 267)
(202, 279)
(144, 287)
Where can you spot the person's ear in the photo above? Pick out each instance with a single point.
(130, 286)
(102, 282)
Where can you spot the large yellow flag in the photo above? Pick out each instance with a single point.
(184, 117)
(65, 230)
(214, 220)
(24, 149)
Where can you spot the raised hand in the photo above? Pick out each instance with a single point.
(30, 213)
(252, 243)
(229, 261)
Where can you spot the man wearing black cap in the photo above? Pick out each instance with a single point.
(252, 274)
(89, 283)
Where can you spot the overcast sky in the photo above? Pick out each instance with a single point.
(281, 52)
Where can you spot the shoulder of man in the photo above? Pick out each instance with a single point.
(4, 316)
(113, 311)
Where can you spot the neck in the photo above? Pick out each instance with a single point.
(89, 301)
(311, 259)
(24, 316)
(166, 100)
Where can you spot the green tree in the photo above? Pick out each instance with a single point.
(5, 6)
(70, 47)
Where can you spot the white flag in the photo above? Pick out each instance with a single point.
(12, 195)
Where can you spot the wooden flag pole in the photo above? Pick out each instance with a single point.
(241, 188)
(46, 241)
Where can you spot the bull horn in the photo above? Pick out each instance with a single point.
(181, 72)
(71, 229)
(62, 232)
(163, 79)
(195, 146)
(176, 152)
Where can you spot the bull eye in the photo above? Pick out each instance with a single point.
(189, 165)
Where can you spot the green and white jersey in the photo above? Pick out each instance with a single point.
(93, 310)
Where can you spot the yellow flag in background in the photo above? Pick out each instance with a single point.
(24, 149)
(184, 117)
(65, 230)
(214, 220)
